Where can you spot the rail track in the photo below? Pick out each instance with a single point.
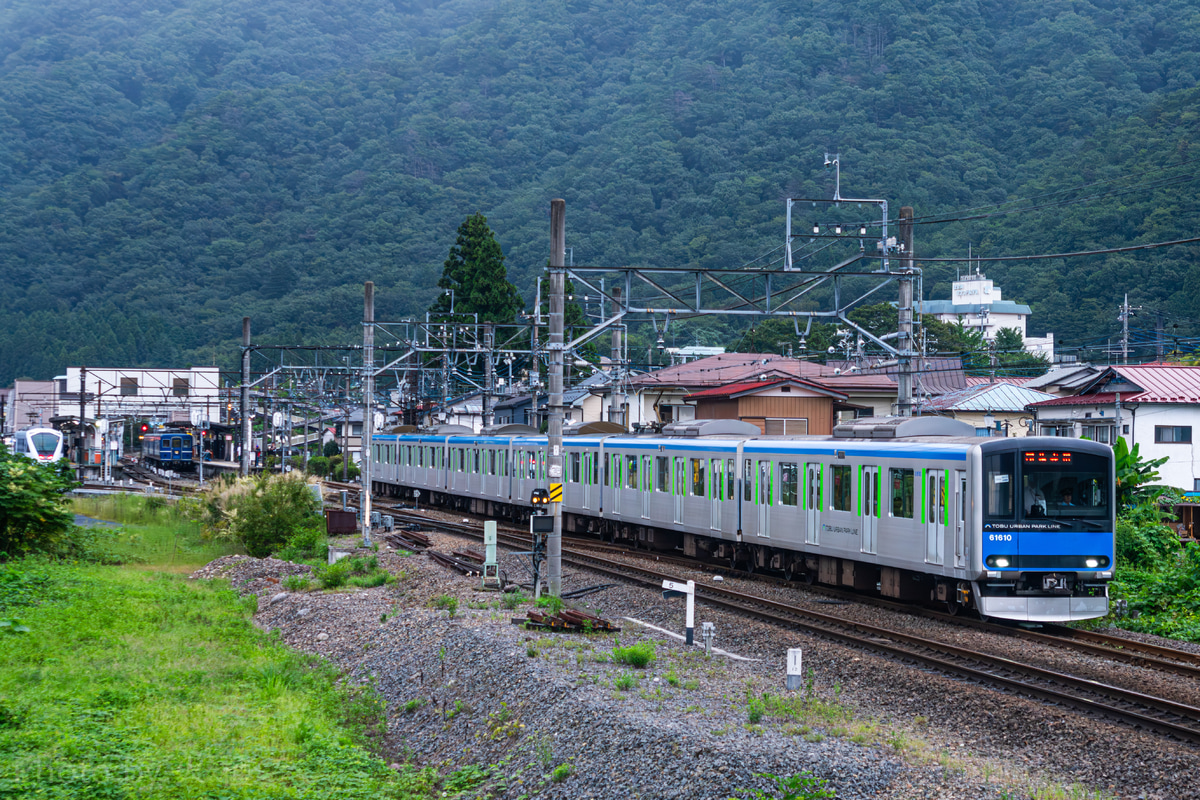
(1139, 710)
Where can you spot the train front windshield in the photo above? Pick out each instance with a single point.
(44, 444)
(1067, 489)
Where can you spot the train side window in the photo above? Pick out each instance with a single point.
(697, 470)
(747, 480)
(647, 474)
(901, 481)
(842, 481)
(574, 467)
(789, 482)
(730, 476)
(662, 474)
(631, 472)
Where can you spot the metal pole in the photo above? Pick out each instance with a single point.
(904, 347)
(489, 372)
(558, 277)
(246, 443)
(368, 425)
(616, 407)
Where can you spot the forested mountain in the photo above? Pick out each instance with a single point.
(167, 167)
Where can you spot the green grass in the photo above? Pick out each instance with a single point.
(153, 530)
(135, 684)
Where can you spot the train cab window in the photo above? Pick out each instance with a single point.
(662, 473)
(901, 482)
(999, 485)
(631, 472)
(574, 475)
(842, 481)
(697, 471)
(789, 483)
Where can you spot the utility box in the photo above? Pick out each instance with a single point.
(340, 523)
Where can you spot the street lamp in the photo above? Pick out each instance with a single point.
(450, 293)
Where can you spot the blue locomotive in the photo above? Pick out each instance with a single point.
(917, 509)
(169, 449)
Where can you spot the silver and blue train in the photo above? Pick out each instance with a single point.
(916, 509)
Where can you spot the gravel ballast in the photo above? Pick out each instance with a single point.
(471, 688)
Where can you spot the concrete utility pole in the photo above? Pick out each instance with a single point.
(1126, 313)
(368, 424)
(247, 445)
(558, 278)
(616, 408)
(904, 344)
(81, 456)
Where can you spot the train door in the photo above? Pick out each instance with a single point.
(588, 470)
(813, 497)
(647, 485)
(960, 518)
(177, 448)
(716, 491)
(868, 496)
(766, 497)
(615, 481)
(679, 486)
(935, 511)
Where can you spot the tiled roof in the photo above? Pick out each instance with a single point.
(982, 380)
(749, 387)
(1099, 399)
(728, 368)
(987, 397)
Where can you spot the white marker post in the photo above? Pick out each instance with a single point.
(795, 669)
(673, 589)
(490, 578)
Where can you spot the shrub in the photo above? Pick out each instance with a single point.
(636, 655)
(265, 512)
(514, 599)
(33, 509)
(318, 465)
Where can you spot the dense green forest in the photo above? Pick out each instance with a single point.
(167, 168)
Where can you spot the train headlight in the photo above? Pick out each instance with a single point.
(1091, 563)
(1002, 562)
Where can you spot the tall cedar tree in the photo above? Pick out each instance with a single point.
(475, 271)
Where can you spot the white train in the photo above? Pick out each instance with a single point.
(44, 445)
(916, 509)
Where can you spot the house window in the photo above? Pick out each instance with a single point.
(1172, 434)
(129, 387)
(179, 387)
(785, 427)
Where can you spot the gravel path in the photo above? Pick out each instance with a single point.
(472, 688)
